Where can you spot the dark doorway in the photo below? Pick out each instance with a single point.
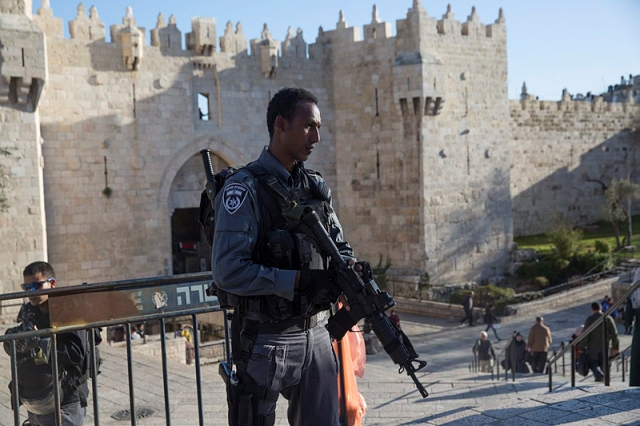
(191, 252)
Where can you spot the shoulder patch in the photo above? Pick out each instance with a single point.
(234, 196)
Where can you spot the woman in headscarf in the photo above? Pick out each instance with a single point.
(632, 311)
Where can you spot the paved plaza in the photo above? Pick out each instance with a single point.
(457, 396)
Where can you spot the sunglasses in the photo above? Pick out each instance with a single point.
(35, 285)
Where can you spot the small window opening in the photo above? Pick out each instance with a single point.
(416, 107)
(203, 106)
(403, 106)
(23, 56)
(377, 111)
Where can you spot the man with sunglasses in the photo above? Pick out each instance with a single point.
(35, 385)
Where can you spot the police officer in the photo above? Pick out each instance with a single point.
(35, 385)
(281, 286)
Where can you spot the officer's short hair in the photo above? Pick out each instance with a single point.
(285, 103)
(595, 306)
(39, 267)
(539, 319)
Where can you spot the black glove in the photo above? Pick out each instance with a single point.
(319, 285)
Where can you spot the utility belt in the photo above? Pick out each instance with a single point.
(286, 326)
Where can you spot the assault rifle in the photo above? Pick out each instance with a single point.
(29, 346)
(365, 299)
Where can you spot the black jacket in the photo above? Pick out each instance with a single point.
(73, 358)
(519, 351)
(489, 316)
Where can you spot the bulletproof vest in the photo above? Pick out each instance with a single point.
(280, 246)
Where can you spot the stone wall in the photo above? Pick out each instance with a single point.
(23, 72)
(563, 155)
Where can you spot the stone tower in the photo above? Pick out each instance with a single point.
(23, 72)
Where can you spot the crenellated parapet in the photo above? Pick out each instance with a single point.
(294, 46)
(52, 26)
(449, 24)
(87, 28)
(418, 25)
(202, 38)
(412, 32)
(498, 29)
(23, 59)
(473, 27)
(232, 42)
(377, 29)
(595, 104)
(167, 37)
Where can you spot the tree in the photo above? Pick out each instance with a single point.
(618, 210)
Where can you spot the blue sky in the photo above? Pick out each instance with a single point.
(581, 45)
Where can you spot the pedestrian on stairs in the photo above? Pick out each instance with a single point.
(483, 349)
(490, 319)
(594, 341)
(538, 343)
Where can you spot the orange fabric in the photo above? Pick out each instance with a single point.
(352, 362)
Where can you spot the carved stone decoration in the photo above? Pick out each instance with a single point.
(74, 163)
(87, 28)
(137, 162)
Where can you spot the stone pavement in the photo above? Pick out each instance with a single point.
(457, 397)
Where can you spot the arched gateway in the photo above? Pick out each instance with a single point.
(179, 193)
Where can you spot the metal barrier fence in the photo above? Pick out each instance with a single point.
(90, 306)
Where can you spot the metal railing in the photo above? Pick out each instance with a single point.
(163, 297)
(622, 360)
(605, 344)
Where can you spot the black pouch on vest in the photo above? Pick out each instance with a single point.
(280, 247)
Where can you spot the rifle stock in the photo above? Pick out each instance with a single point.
(365, 299)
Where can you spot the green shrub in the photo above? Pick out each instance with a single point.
(541, 268)
(566, 240)
(602, 247)
(488, 294)
(541, 282)
(600, 261)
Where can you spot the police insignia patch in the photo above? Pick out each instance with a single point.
(234, 196)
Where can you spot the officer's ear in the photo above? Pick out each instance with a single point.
(281, 123)
(52, 283)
